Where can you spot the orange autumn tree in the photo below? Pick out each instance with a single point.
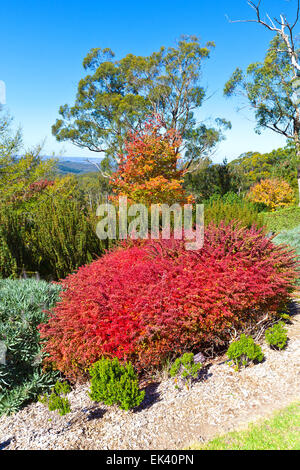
(148, 171)
(274, 193)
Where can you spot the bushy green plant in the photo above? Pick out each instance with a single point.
(232, 207)
(285, 219)
(64, 236)
(276, 336)
(53, 239)
(114, 383)
(15, 253)
(244, 351)
(185, 367)
(22, 305)
(57, 400)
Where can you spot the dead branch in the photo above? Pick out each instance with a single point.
(284, 30)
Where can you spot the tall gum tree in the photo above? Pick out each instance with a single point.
(117, 97)
(269, 86)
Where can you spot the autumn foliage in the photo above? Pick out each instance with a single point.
(274, 193)
(148, 172)
(153, 299)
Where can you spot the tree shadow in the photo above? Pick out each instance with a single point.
(96, 413)
(293, 308)
(204, 373)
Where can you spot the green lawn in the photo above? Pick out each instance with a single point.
(281, 432)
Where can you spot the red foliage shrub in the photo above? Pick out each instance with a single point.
(154, 299)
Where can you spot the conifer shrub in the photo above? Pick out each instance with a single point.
(231, 207)
(57, 400)
(115, 384)
(151, 301)
(276, 336)
(244, 351)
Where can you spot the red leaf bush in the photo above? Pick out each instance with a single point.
(153, 299)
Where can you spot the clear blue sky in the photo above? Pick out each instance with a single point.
(43, 43)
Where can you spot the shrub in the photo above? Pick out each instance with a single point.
(276, 336)
(186, 367)
(22, 304)
(243, 351)
(15, 253)
(228, 208)
(152, 301)
(113, 383)
(64, 236)
(292, 239)
(56, 401)
(274, 193)
(284, 219)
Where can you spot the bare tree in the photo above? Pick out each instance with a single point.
(285, 30)
(279, 26)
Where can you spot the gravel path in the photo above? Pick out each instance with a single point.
(169, 419)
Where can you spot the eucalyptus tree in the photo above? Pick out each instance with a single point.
(117, 96)
(272, 86)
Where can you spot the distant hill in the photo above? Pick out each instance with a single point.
(75, 165)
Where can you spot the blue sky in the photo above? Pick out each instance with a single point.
(43, 43)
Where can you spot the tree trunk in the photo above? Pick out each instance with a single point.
(297, 145)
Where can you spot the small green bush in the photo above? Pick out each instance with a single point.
(244, 351)
(276, 336)
(186, 367)
(113, 383)
(56, 401)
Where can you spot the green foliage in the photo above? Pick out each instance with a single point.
(282, 220)
(243, 351)
(56, 401)
(18, 172)
(290, 237)
(117, 95)
(276, 336)
(268, 87)
(113, 383)
(210, 180)
(252, 167)
(64, 236)
(232, 207)
(94, 187)
(15, 251)
(22, 305)
(186, 367)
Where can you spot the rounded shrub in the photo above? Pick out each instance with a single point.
(276, 336)
(115, 384)
(152, 301)
(243, 351)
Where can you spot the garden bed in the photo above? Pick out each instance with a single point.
(168, 419)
